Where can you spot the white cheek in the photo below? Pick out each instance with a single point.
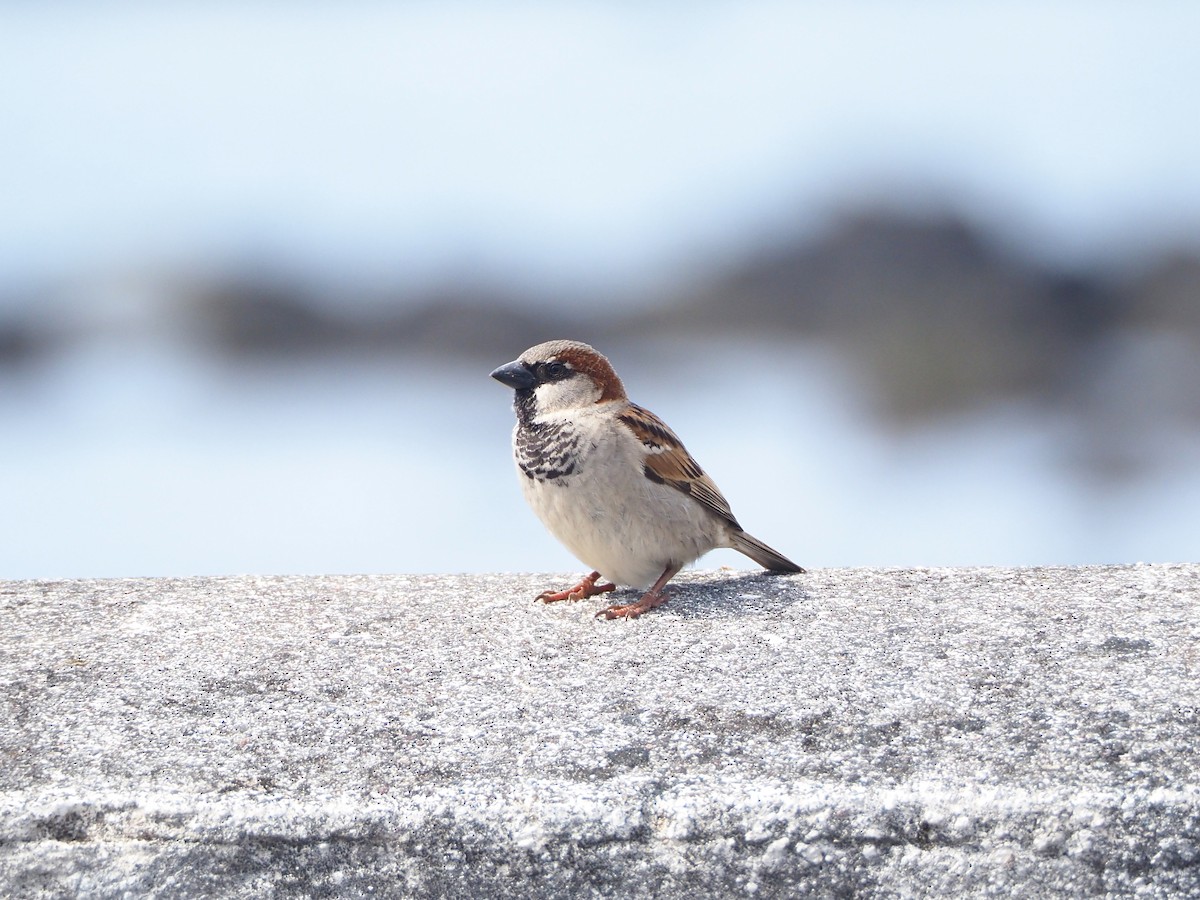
(572, 393)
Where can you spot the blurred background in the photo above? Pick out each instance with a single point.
(918, 284)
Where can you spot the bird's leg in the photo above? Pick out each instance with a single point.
(652, 598)
(586, 588)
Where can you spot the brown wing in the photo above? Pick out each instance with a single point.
(670, 463)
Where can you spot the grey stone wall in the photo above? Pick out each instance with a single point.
(890, 733)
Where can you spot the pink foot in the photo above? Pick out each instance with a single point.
(586, 588)
(652, 598)
(633, 610)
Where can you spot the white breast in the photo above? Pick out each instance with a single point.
(613, 518)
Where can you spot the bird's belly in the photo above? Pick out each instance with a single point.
(630, 537)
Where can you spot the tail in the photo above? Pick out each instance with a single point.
(769, 559)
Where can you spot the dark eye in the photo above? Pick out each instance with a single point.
(555, 370)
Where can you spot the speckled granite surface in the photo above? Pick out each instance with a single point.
(885, 733)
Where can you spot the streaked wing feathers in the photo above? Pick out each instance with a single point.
(669, 462)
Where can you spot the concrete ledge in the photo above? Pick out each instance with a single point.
(880, 733)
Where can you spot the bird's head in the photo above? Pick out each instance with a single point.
(560, 375)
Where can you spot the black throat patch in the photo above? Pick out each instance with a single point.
(545, 451)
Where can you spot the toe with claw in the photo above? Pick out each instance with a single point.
(586, 588)
(652, 598)
(633, 610)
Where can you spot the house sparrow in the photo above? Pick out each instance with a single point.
(611, 481)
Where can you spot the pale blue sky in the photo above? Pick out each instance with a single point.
(559, 140)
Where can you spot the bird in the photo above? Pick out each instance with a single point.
(611, 481)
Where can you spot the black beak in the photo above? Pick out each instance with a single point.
(516, 375)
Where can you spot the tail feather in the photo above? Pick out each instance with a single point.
(769, 559)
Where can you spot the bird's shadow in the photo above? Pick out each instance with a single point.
(729, 596)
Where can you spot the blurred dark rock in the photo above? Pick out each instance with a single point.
(485, 325)
(254, 317)
(1080, 307)
(945, 320)
(941, 316)
(1168, 295)
(26, 337)
(18, 344)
